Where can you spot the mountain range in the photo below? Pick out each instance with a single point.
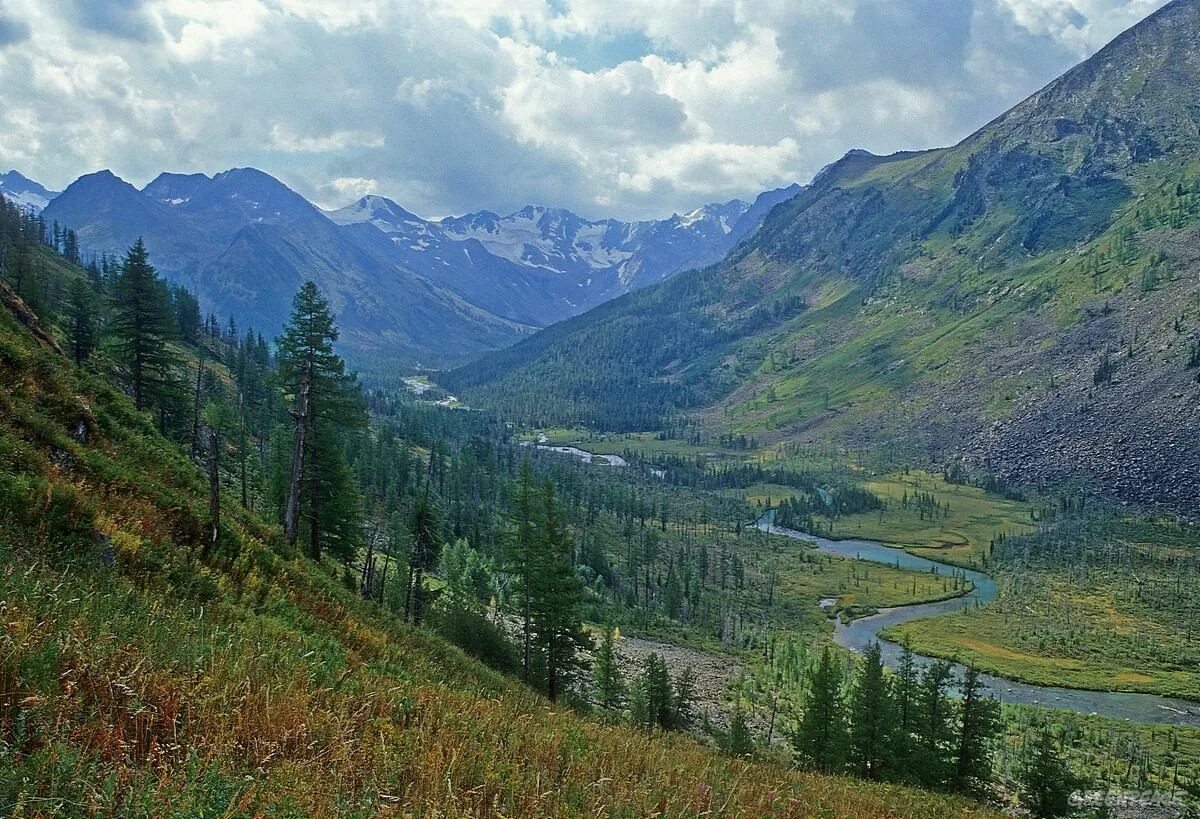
(16, 187)
(407, 290)
(1025, 301)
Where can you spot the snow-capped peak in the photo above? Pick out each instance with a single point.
(24, 192)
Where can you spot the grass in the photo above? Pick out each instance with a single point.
(859, 587)
(643, 444)
(1110, 604)
(961, 535)
(141, 676)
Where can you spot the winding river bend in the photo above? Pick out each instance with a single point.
(858, 634)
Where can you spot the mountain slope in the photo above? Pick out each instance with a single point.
(143, 674)
(244, 242)
(541, 265)
(1024, 299)
(410, 291)
(24, 191)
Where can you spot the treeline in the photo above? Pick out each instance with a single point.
(925, 726)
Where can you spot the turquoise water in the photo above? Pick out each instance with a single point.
(860, 633)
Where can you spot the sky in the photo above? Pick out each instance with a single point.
(623, 108)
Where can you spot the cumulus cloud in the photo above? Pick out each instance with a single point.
(630, 108)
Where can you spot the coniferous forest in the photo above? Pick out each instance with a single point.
(871, 496)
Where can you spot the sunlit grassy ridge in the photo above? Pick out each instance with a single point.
(140, 676)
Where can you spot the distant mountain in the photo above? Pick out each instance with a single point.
(244, 242)
(25, 192)
(541, 265)
(1024, 300)
(407, 290)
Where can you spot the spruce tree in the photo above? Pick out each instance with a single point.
(426, 538)
(683, 699)
(610, 688)
(556, 594)
(328, 401)
(142, 330)
(820, 741)
(873, 723)
(979, 725)
(653, 704)
(81, 320)
(738, 740)
(1046, 781)
(522, 559)
(933, 756)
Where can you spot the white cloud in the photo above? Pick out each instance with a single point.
(351, 187)
(1081, 25)
(290, 143)
(632, 108)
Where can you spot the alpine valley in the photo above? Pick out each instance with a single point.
(874, 497)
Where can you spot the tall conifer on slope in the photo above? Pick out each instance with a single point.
(820, 741)
(979, 725)
(873, 719)
(556, 594)
(142, 329)
(327, 400)
(610, 688)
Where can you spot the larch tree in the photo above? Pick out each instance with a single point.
(326, 401)
(142, 329)
(820, 740)
(873, 723)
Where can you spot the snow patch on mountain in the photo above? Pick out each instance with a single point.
(24, 192)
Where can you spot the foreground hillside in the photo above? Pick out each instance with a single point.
(142, 674)
(1025, 300)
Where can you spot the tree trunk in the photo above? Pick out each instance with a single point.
(196, 408)
(291, 517)
(214, 487)
(242, 443)
(314, 500)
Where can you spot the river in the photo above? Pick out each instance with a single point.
(858, 634)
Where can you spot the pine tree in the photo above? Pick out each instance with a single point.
(610, 688)
(873, 722)
(820, 741)
(81, 320)
(979, 724)
(327, 401)
(1046, 781)
(933, 757)
(556, 594)
(142, 329)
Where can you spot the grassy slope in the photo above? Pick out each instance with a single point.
(141, 677)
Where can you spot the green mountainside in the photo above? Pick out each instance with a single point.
(1024, 300)
(146, 670)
